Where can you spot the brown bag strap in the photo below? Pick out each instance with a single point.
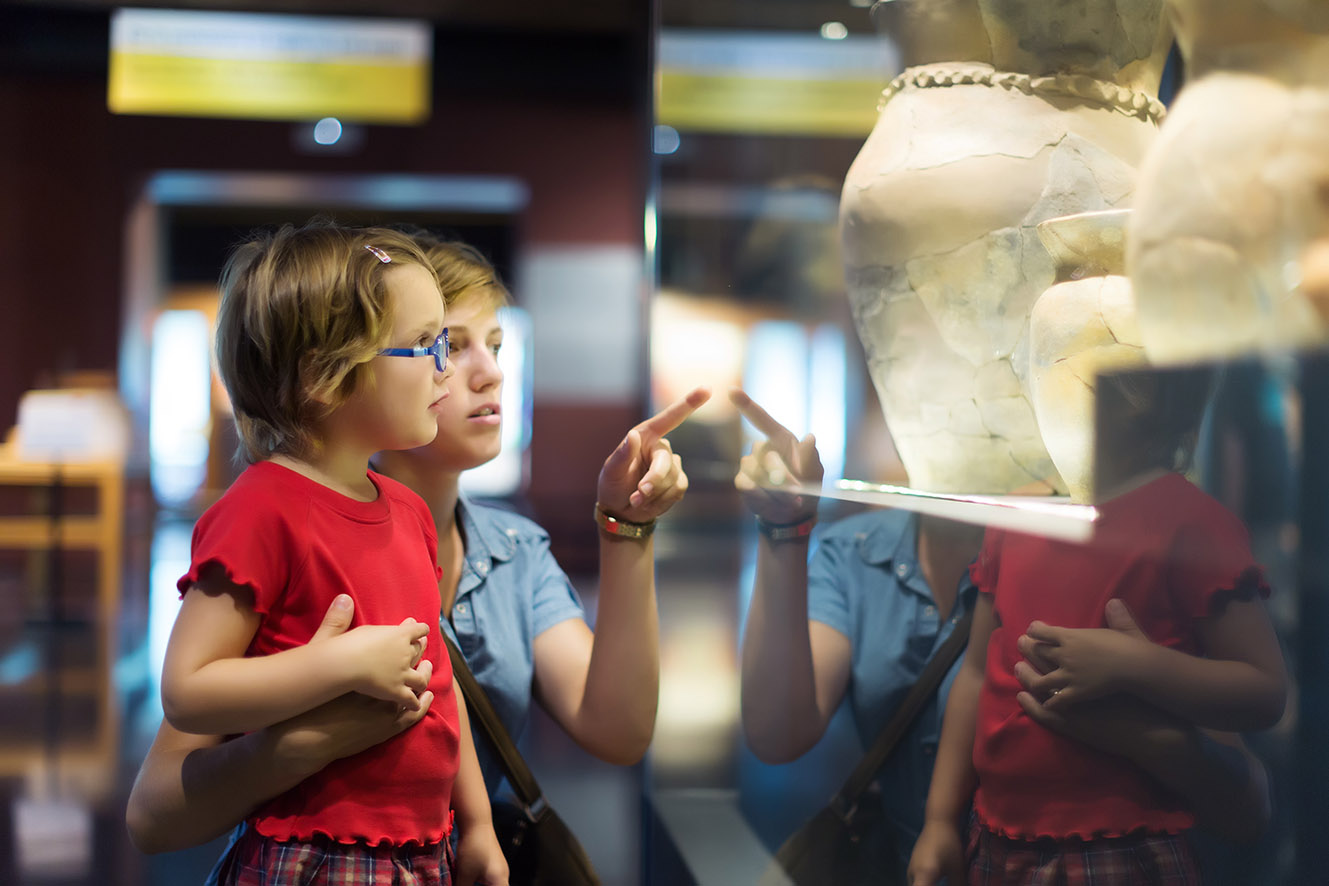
(845, 802)
(481, 710)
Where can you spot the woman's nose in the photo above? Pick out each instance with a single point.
(487, 371)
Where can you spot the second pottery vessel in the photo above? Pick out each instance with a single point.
(1083, 324)
(1230, 197)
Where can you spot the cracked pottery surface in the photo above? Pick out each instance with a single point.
(1082, 325)
(1008, 114)
(1234, 191)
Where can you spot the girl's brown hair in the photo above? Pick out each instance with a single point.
(302, 308)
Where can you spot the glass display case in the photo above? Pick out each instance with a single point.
(954, 243)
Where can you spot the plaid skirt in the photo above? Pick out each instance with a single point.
(1133, 860)
(256, 860)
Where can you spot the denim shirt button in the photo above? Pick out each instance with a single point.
(481, 567)
(902, 570)
(459, 609)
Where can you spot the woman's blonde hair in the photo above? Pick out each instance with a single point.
(463, 269)
(302, 308)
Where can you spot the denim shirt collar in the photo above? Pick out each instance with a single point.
(899, 554)
(882, 547)
(485, 543)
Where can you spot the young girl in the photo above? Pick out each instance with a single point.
(332, 346)
(1045, 808)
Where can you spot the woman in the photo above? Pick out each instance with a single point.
(503, 598)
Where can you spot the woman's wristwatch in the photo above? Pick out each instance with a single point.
(622, 528)
(787, 531)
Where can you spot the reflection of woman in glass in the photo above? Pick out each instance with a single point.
(860, 620)
(504, 599)
(1162, 552)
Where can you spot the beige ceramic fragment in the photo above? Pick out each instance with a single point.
(1228, 200)
(1083, 325)
(1010, 112)
(1275, 38)
(1118, 41)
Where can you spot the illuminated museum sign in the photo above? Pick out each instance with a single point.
(260, 66)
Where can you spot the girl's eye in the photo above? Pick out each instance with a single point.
(496, 347)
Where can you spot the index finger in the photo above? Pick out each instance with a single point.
(761, 420)
(675, 413)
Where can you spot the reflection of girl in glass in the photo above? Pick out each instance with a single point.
(1176, 560)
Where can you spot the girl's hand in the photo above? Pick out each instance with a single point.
(643, 478)
(480, 860)
(384, 659)
(781, 459)
(1080, 664)
(345, 725)
(938, 856)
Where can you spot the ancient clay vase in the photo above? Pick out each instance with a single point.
(1229, 197)
(1008, 113)
(1083, 324)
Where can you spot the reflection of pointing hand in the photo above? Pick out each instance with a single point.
(643, 478)
(780, 458)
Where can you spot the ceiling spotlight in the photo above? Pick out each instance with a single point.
(666, 139)
(327, 131)
(834, 31)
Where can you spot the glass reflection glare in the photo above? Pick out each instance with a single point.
(502, 476)
(801, 377)
(179, 411)
(170, 560)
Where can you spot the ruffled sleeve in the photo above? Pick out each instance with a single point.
(984, 570)
(251, 542)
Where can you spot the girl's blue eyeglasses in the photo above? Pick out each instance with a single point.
(438, 350)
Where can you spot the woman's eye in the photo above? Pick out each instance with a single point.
(495, 347)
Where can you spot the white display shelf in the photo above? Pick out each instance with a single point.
(1050, 516)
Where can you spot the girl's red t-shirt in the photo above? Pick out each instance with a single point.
(1169, 551)
(298, 544)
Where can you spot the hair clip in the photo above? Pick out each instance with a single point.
(379, 254)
